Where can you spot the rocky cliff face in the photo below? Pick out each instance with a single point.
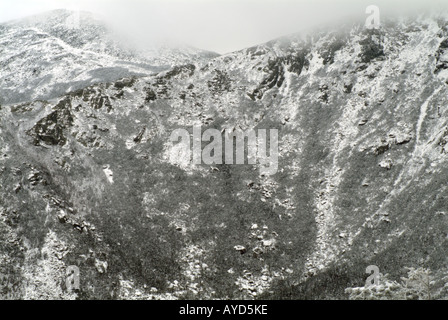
(87, 178)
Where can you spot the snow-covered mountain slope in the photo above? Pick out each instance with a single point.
(50, 54)
(87, 178)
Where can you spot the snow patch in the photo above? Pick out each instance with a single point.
(109, 173)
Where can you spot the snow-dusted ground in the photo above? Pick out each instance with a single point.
(362, 160)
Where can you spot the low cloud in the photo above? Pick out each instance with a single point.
(219, 25)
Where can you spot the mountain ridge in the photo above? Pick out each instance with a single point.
(361, 115)
(37, 50)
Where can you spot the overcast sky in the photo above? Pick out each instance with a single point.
(220, 25)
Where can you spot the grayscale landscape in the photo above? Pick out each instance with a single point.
(86, 177)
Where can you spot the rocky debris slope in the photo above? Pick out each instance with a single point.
(362, 127)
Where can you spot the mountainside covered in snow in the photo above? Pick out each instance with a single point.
(87, 178)
(47, 55)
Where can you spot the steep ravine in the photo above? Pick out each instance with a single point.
(87, 178)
